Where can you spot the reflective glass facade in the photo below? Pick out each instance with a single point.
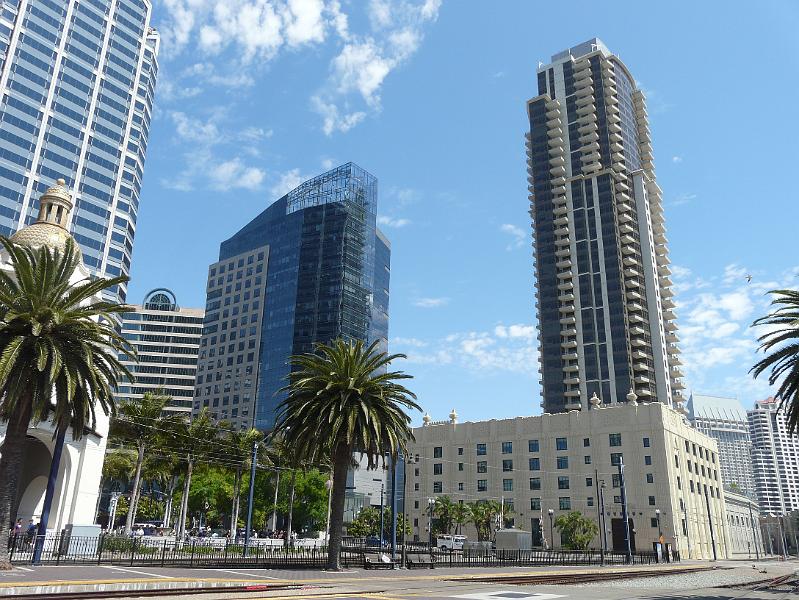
(77, 80)
(311, 268)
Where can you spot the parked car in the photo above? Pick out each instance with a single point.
(450, 542)
(373, 542)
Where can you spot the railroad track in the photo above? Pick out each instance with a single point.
(133, 593)
(790, 581)
(573, 578)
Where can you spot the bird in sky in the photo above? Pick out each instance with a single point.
(748, 278)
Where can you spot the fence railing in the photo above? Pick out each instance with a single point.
(203, 552)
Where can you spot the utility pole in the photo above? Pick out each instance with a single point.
(405, 460)
(253, 461)
(754, 536)
(600, 507)
(628, 549)
(710, 522)
(382, 537)
(394, 508)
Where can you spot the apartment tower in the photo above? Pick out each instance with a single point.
(604, 299)
(77, 80)
(775, 458)
(725, 420)
(312, 267)
(166, 338)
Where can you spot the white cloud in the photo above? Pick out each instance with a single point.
(412, 342)
(286, 182)
(203, 166)
(392, 222)
(517, 234)
(676, 159)
(364, 61)
(232, 174)
(479, 351)
(683, 199)
(431, 302)
(327, 163)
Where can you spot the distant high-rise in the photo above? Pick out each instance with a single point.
(166, 338)
(603, 292)
(725, 420)
(775, 458)
(77, 80)
(310, 268)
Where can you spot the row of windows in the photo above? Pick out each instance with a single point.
(561, 443)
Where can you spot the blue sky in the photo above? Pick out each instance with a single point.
(256, 95)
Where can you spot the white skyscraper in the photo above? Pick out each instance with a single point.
(77, 79)
(603, 292)
(775, 458)
(725, 420)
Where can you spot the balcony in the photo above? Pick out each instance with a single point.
(556, 142)
(670, 326)
(640, 354)
(572, 381)
(591, 167)
(564, 264)
(559, 180)
(555, 132)
(561, 252)
(669, 315)
(584, 101)
(672, 337)
(561, 220)
(566, 298)
(626, 229)
(568, 321)
(551, 114)
(637, 330)
(568, 344)
(592, 136)
(571, 368)
(560, 210)
(636, 318)
(586, 108)
(587, 128)
(569, 356)
(641, 379)
(557, 161)
(566, 285)
(637, 342)
(629, 261)
(565, 274)
(562, 241)
(566, 309)
(568, 333)
(614, 128)
(562, 230)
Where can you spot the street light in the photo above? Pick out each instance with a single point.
(430, 503)
(329, 486)
(551, 538)
(660, 533)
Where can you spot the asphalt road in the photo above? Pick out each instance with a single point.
(394, 585)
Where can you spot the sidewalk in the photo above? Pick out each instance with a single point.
(83, 580)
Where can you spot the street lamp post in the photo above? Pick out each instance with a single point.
(660, 533)
(754, 536)
(250, 495)
(382, 505)
(394, 508)
(329, 486)
(624, 515)
(430, 503)
(551, 537)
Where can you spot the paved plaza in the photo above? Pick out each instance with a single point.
(463, 584)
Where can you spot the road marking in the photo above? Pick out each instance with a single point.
(124, 570)
(25, 569)
(246, 574)
(499, 594)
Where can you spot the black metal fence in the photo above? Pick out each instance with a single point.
(204, 552)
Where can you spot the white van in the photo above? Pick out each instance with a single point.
(450, 542)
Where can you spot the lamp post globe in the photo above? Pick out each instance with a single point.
(329, 487)
(551, 513)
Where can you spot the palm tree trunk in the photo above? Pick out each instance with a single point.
(10, 467)
(184, 501)
(287, 540)
(274, 506)
(134, 494)
(234, 513)
(341, 464)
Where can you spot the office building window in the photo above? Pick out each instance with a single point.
(507, 465)
(616, 480)
(587, 459)
(564, 503)
(460, 487)
(438, 469)
(535, 464)
(650, 478)
(563, 482)
(589, 482)
(460, 451)
(532, 446)
(615, 439)
(535, 483)
(507, 447)
(563, 462)
(561, 444)
(653, 522)
(651, 501)
(590, 500)
(481, 449)
(615, 459)
(482, 485)
(460, 466)
(438, 487)
(646, 442)
(535, 503)
(507, 485)
(586, 442)
(482, 466)
(647, 460)
(438, 452)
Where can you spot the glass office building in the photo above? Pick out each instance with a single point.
(166, 338)
(311, 268)
(77, 80)
(603, 293)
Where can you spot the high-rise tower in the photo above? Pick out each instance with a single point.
(77, 80)
(604, 298)
(310, 268)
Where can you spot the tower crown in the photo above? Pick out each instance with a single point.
(55, 205)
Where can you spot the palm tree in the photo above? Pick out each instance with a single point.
(196, 439)
(483, 516)
(141, 423)
(58, 354)
(443, 508)
(239, 452)
(783, 339)
(460, 516)
(343, 400)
